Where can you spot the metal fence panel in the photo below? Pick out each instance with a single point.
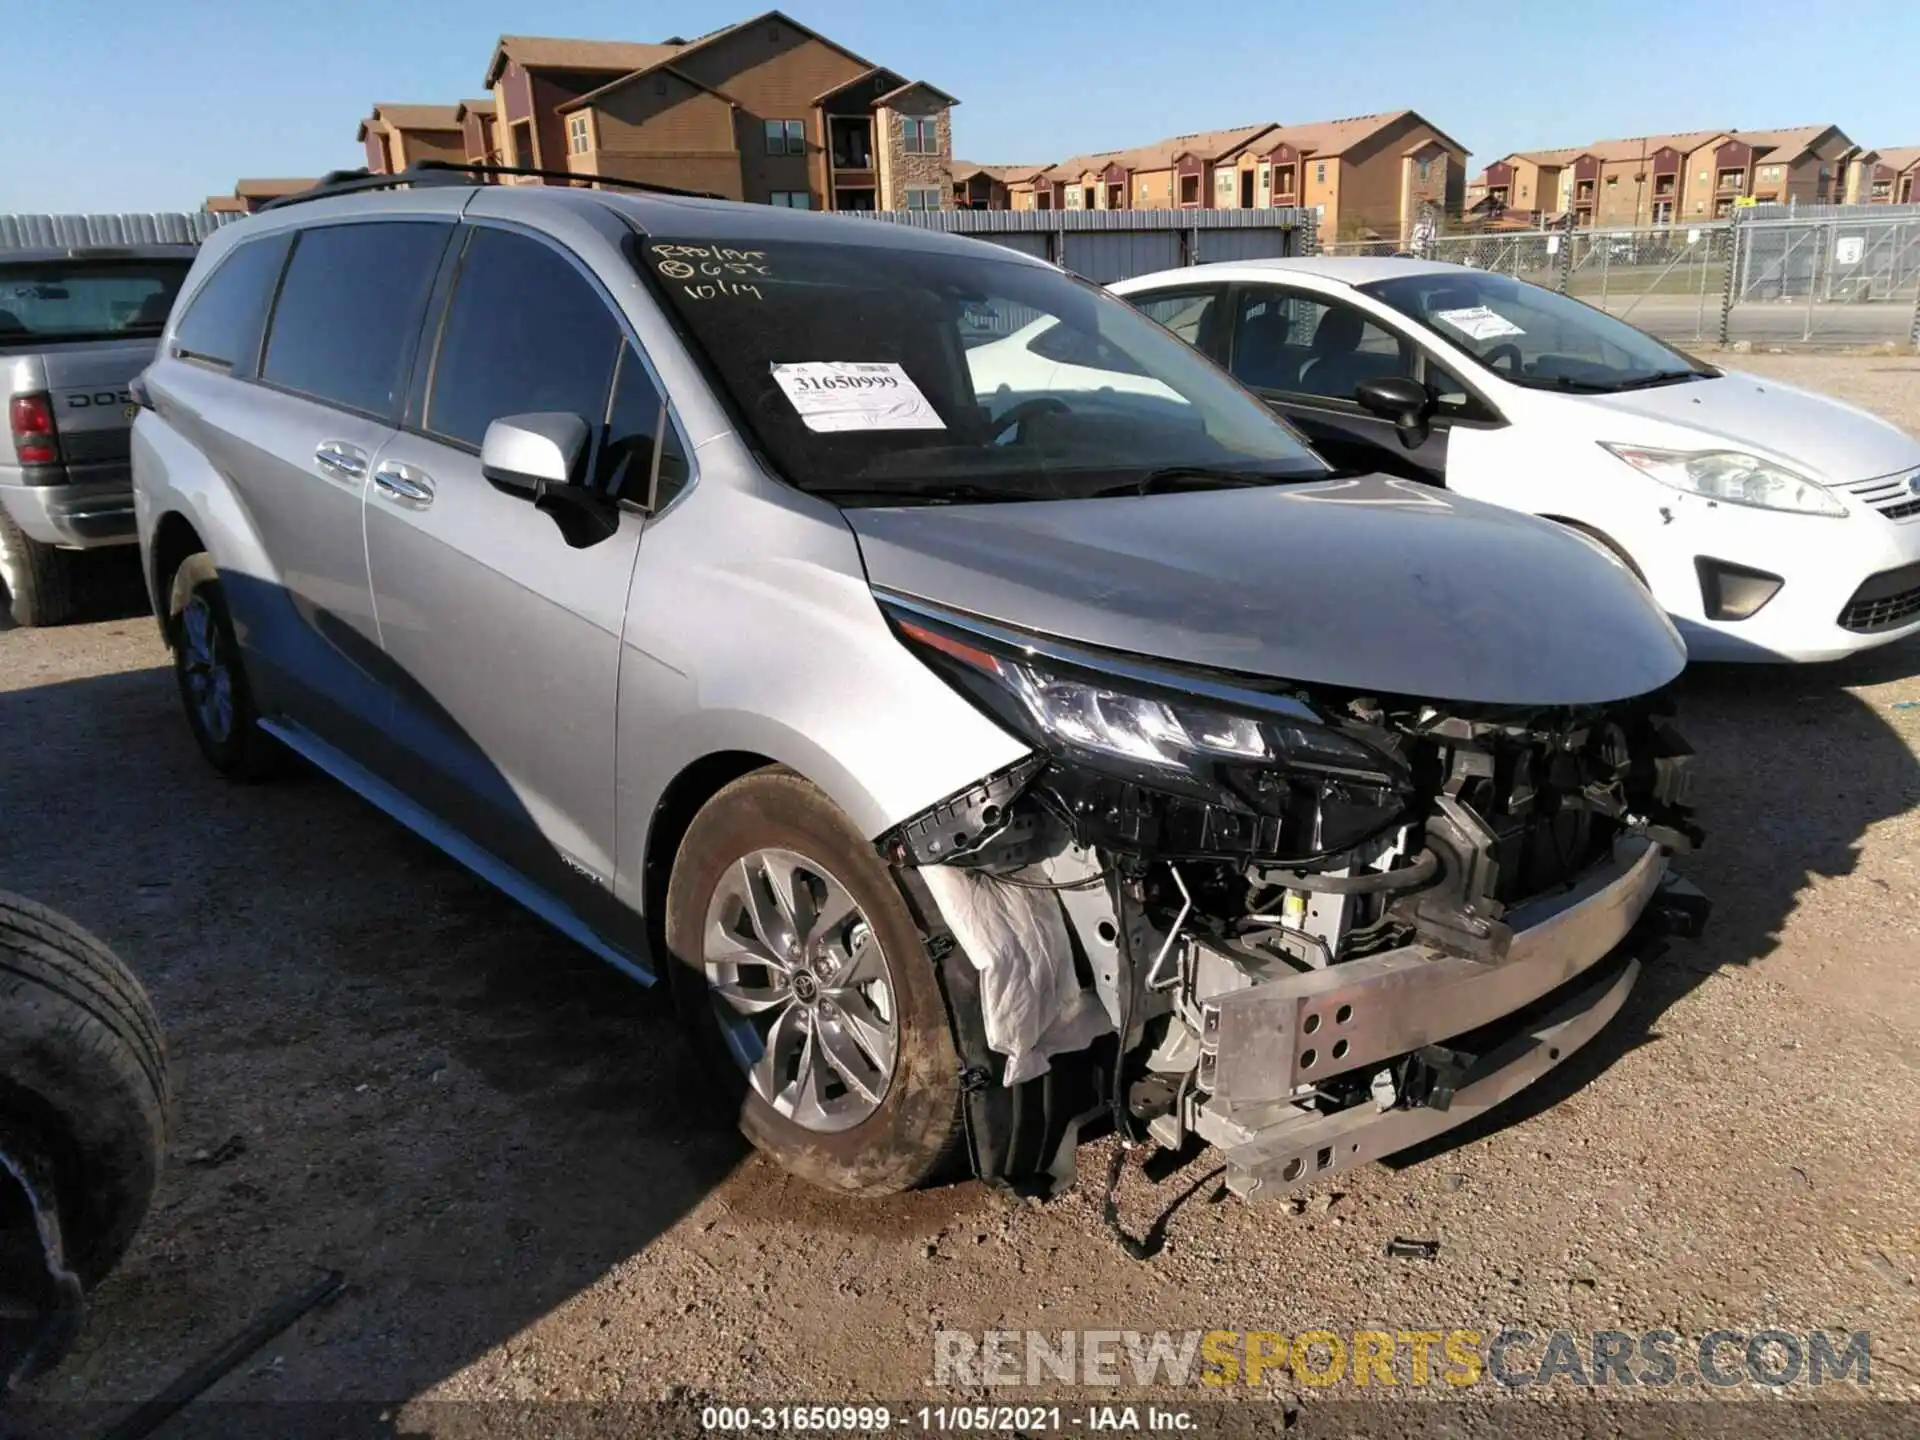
(1241, 243)
(53, 231)
(1110, 245)
(1104, 256)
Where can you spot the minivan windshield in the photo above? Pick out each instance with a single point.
(1535, 337)
(66, 300)
(894, 373)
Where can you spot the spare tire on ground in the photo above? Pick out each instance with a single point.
(84, 1108)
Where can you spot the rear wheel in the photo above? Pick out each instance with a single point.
(806, 983)
(213, 684)
(38, 577)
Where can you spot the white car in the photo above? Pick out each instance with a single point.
(1771, 523)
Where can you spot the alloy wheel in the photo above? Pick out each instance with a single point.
(802, 990)
(203, 660)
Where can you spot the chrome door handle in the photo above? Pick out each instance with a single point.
(338, 458)
(403, 484)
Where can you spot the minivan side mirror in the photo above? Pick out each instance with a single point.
(538, 457)
(1401, 399)
(524, 454)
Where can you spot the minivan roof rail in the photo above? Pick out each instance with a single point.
(456, 172)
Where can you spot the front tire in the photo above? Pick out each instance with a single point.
(212, 681)
(38, 577)
(805, 982)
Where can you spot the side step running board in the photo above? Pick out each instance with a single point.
(428, 826)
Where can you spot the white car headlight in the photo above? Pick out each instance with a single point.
(1732, 476)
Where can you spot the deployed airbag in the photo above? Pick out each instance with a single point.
(1032, 1002)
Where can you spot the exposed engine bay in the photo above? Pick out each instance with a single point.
(1321, 925)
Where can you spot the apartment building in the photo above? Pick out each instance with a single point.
(1885, 177)
(479, 141)
(249, 195)
(995, 187)
(395, 136)
(1662, 179)
(1368, 176)
(767, 110)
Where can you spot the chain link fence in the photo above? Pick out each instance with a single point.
(1848, 277)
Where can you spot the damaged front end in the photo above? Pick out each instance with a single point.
(1309, 927)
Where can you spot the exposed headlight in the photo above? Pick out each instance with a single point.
(1732, 476)
(1278, 784)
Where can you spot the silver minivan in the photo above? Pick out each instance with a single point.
(980, 765)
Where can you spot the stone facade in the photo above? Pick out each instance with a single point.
(900, 171)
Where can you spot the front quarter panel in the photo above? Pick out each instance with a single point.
(751, 627)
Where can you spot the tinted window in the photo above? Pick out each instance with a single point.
(349, 312)
(1183, 314)
(88, 299)
(636, 428)
(1308, 346)
(525, 332)
(222, 324)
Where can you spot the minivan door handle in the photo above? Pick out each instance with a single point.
(340, 460)
(403, 484)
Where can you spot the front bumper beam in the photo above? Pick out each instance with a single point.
(1266, 1045)
(1296, 1154)
(1261, 1043)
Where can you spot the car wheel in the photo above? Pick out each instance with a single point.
(38, 577)
(83, 1079)
(213, 684)
(805, 981)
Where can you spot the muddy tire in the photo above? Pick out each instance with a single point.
(212, 680)
(83, 1078)
(38, 578)
(818, 1012)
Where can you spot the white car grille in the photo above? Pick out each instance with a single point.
(1895, 496)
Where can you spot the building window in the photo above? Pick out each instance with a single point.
(1426, 167)
(923, 197)
(1189, 189)
(786, 137)
(920, 137)
(1320, 173)
(1612, 181)
(792, 199)
(577, 141)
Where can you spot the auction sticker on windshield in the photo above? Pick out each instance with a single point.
(1478, 323)
(836, 395)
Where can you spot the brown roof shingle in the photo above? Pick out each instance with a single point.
(616, 57)
(1006, 174)
(418, 117)
(1209, 144)
(270, 189)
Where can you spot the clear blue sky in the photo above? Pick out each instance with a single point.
(154, 104)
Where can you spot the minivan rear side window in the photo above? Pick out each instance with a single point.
(525, 332)
(222, 325)
(348, 317)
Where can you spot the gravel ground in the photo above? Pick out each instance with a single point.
(387, 1068)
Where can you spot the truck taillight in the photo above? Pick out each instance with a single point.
(30, 417)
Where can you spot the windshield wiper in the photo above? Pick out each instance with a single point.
(927, 492)
(1176, 477)
(1658, 377)
(1558, 382)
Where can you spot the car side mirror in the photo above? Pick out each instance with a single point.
(1401, 399)
(538, 457)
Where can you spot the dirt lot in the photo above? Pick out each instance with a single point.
(387, 1068)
